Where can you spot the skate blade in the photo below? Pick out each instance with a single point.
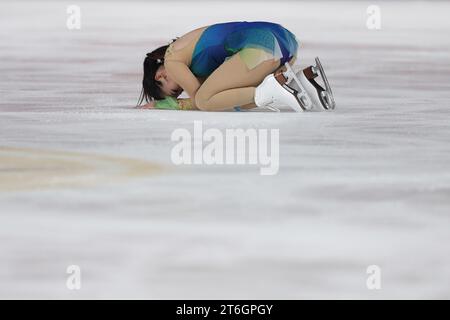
(327, 94)
(300, 103)
(301, 95)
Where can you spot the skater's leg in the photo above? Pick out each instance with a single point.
(233, 83)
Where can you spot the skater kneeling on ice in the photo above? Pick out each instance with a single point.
(233, 65)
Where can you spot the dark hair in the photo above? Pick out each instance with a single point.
(151, 88)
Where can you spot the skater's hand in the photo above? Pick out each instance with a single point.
(150, 105)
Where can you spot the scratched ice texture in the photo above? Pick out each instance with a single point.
(368, 184)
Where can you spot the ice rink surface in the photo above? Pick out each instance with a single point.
(87, 180)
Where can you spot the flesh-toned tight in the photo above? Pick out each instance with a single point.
(233, 83)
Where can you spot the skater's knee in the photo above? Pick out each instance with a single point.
(201, 101)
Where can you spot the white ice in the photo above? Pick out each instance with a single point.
(368, 184)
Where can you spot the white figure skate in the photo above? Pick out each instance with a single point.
(304, 80)
(296, 89)
(272, 94)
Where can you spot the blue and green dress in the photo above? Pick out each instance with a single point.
(222, 40)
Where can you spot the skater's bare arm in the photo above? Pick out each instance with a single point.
(183, 76)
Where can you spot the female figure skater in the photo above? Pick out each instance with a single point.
(226, 66)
